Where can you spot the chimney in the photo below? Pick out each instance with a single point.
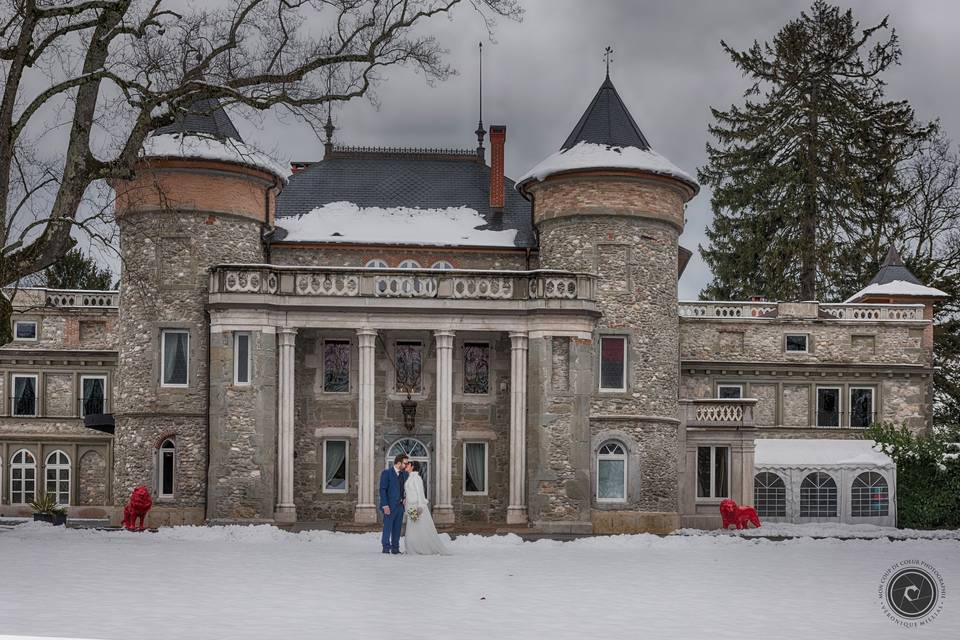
(498, 135)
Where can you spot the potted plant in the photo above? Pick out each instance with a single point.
(46, 509)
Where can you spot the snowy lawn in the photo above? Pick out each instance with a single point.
(259, 582)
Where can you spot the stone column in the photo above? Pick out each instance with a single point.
(366, 512)
(443, 509)
(517, 509)
(286, 511)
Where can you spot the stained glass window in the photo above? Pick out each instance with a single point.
(476, 368)
(336, 366)
(409, 360)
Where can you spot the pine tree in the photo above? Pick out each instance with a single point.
(76, 271)
(804, 170)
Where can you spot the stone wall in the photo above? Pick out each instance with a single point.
(333, 256)
(89, 478)
(68, 328)
(92, 471)
(321, 416)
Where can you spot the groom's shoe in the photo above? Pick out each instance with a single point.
(386, 550)
(395, 552)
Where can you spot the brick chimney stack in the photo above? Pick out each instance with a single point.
(498, 136)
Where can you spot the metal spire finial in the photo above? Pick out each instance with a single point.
(608, 56)
(480, 130)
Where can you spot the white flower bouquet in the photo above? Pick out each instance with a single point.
(413, 513)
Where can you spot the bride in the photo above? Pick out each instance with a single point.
(421, 537)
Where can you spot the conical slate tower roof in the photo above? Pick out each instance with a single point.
(607, 121)
(205, 117)
(893, 269)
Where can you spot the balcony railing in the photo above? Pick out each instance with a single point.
(714, 412)
(27, 407)
(770, 310)
(402, 283)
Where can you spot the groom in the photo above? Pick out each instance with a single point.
(391, 503)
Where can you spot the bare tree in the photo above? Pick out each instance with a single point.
(85, 81)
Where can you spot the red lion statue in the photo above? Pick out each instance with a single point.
(138, 507)
(732, 513)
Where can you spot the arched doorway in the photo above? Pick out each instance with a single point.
(415, 450)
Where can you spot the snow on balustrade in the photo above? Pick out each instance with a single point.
(727, 309)
(401, 283)
(874, 311)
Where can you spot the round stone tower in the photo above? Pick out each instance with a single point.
(199, 197)
(607, 204)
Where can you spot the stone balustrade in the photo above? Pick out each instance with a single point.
(64, 298)
(821, 311)
(402, 283)
(715, 412)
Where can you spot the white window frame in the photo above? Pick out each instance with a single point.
(611, 456)
(873, 403)
(442, 264)
(816, 407)
(486, 468)
(806, 342)
(236, 358)
(713, 497)
(24, 466)
(376, 263)
(81, 399)
(600, 386)
(160, 476)
(13, 398)
(739, 387)
(409, 263)
(346, 466)
(163, 358)
(59, 468)
(36, 330)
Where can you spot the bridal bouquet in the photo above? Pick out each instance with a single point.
(413, 513)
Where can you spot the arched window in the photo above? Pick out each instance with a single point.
(416, 451)
(167, 468)
(409, 264)
(23, 478)
(869, 496)
(58, 477)
(770, 495)
(818, 496)
(441, 264)
(611, 472)
(376, 263)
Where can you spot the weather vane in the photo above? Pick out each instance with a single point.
(608, 57)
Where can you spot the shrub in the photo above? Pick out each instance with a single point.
(928, 474)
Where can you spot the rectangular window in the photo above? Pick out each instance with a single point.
(409, 362)
(176, 359)
(93, 399)
(336, 366)
(475, 468)
(24, 330)
(713, 472)
(613, 363)
(334, 466)
(861, 406)
(795, 343)
(167, 469)
(476, 368)
(729, 391)
(241, 358)
(24, 398)
(828, 406)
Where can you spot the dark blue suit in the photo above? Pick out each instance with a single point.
(391, 495)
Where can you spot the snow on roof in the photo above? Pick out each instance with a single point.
(348, 222)
(818, 453)
(897, 288)
(176, 145)
(589, 155)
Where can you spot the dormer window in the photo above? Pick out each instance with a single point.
(410, 264)
(376, 263)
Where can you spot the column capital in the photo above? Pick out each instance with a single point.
(287, 335)
(444, 338)
(366, 332)
(518, 339)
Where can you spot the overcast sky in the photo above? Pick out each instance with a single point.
(540, 75)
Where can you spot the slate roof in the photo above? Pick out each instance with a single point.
(418, 178)
(893, 269)
(607, 121)
(204, 116)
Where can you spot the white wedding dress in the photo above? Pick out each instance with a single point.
(421, 537)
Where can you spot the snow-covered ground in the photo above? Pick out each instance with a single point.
(259, 582)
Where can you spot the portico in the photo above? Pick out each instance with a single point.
(387, 317)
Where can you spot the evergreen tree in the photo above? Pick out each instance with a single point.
(804, 171)
(76, 271)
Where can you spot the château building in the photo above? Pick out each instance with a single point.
(280, 334)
